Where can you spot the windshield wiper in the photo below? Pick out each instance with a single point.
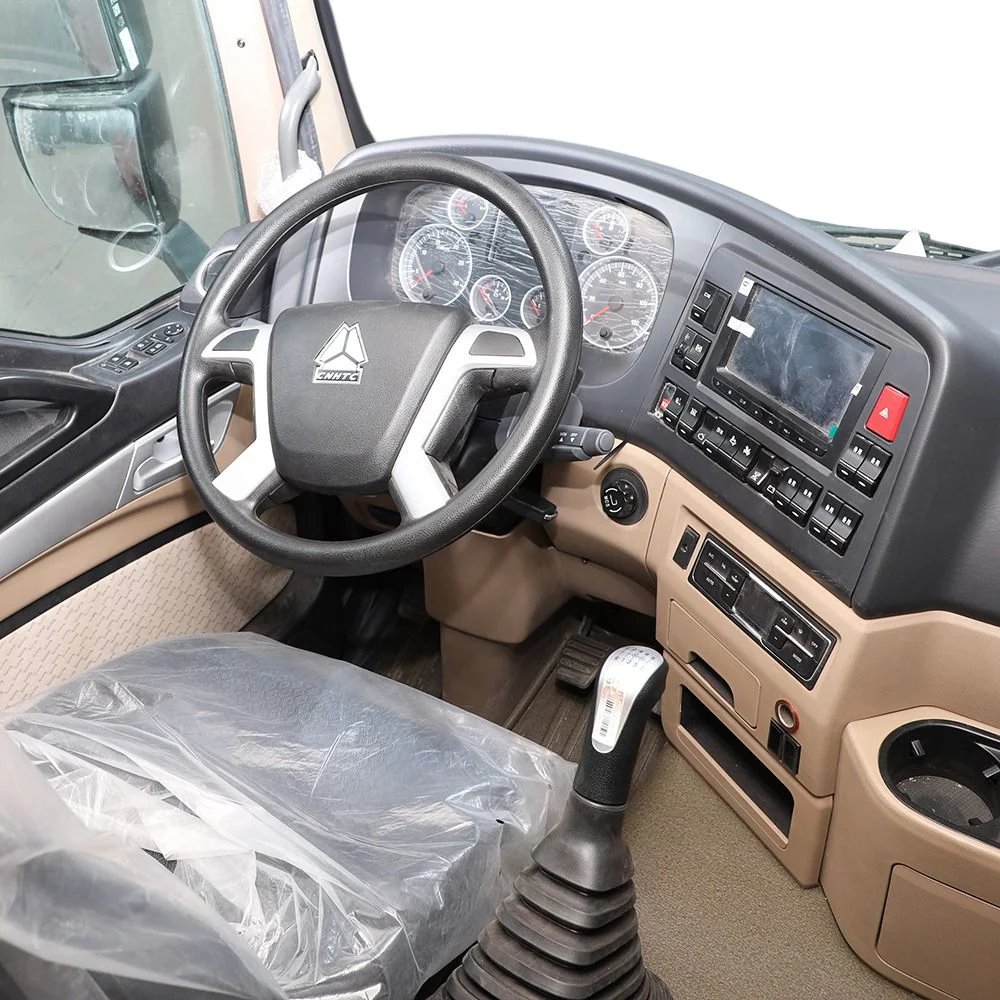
(886, 239)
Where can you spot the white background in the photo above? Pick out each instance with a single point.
(880, 113)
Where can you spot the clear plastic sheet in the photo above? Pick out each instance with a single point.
(356, 834)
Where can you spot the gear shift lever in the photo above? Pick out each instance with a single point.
(570, 929)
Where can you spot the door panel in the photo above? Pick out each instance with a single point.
(202, 581)
(78, 550)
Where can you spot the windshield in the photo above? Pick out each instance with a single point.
(865, 114)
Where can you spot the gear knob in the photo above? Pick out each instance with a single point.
(628, 687)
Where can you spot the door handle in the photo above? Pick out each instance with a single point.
(165, 461)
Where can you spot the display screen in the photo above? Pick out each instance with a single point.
(801, 362)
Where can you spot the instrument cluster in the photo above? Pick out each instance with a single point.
(454, 247)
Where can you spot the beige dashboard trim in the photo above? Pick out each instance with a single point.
(949, 896)
(120, 530)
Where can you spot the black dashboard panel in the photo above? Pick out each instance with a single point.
(929, 535)
(737, 266)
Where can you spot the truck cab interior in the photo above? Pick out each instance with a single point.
(470, 565)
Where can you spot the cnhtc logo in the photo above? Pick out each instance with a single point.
(342, 358)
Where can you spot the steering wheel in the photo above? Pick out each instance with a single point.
(364, 397)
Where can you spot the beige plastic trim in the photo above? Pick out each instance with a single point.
(689, 640)
(500, 589)
(141, 519)
(801, 852)
(877, 666)
(941, 936)
(246, 61)
(583, 529)
(503, 588)
(871, 832)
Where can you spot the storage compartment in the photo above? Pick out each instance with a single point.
(762, 787)
(947, 771)
(940, 936)
(714, 664)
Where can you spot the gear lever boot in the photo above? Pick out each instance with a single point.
(570, 929)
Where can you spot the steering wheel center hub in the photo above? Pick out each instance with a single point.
(346, 381)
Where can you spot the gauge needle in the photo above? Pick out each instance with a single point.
(597, 228)
(600, 312)
(538, 312)
(483, 295)
(426, 274)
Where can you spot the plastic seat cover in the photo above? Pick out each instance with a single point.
(325, 832)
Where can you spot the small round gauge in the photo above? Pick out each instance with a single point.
(533, 307)
(490, 297)
(435, 265)
(467, 210)
(619, 303)
(606, 230)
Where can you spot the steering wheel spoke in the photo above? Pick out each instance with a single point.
(243, 352)
(240, 353)
(250, 477)
(508, 358)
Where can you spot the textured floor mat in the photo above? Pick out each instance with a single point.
(412, 656)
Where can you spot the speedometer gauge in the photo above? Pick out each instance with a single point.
(619, 304)
(435, 265)
(466, 210)
(606, 230)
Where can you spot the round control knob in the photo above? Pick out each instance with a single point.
(623, 496)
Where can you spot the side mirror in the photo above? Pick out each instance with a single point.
(103, 159)
(72, 41)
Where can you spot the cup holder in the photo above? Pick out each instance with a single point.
(949, 772)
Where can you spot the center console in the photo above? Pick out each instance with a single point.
(795, 409)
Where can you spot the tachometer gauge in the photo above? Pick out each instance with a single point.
(435, 265)
(619, 304)
(467, 210)
(533, 307)
(606, 230)
(490, 297)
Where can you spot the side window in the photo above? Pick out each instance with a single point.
(117, 160)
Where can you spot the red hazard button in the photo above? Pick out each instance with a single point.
(887, 414)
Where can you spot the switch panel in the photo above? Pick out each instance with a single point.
(792, 636)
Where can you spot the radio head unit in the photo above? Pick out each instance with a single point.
(807, 370)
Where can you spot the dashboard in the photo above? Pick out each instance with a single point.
(821, 393)
(455, 247)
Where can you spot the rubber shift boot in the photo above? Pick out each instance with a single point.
(570, 929)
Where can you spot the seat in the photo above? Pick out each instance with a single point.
(354, 833)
